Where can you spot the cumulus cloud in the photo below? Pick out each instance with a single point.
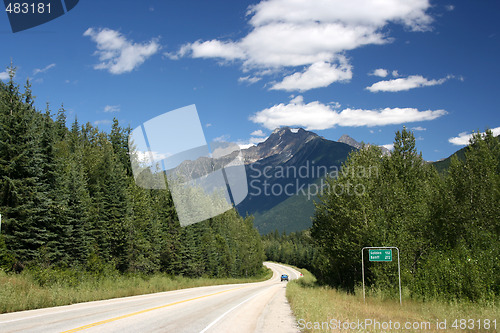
(318, 75)
(409, 12)
(249, 79)
(293, 34)
(402, 84)
(147, 156)
(380, 72)
(43, 70)
(102, 122)
(318, 116)
(112, 108)
(389, 146)
(463, 138)
(4, 75)
(117, 54)
(213, 49)
(250, 142)
(257, 133)
(222, 138)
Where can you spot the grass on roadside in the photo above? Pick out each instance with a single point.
(25, 291)
(312, 303)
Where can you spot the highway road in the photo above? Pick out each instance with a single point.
(251, 307)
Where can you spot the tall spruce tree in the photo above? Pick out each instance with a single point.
(22, 196)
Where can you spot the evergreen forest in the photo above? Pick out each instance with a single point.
(68, 201)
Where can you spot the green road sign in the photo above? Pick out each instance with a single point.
(380, 255)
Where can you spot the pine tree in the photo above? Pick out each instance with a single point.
(20, 168)
(60, 123)
(76, 238)
(119, 140)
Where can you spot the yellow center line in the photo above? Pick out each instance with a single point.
(81, 328)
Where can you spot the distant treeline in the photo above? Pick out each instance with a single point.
(68, 200)
(295, 248)
(447, 226)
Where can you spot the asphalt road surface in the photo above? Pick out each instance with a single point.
(251, 307)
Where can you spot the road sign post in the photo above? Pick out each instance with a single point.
(380, 254)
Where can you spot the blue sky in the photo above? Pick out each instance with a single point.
(355, 67)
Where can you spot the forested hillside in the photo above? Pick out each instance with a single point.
(68, 200)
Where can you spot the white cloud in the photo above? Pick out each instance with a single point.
(419, 128)
(297, 100)
(117, 54)
(148, 156)
(409, 12)
(250, 142)
(463, 138)
(402, 84)
(102, 122)
(449, 8)
(389, 146)
(112, 108)
(318, 75)
(286, 35)
(335, 105)
(222, 138)
(43, 70)
(257, 133)
(318, 116)
(4, 75)
(214, 49)
(380, 72)
(249, 79)
(280, 44)
(208, 125)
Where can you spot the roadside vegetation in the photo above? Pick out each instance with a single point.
(446, 226)
(41, 288)
(314, 303)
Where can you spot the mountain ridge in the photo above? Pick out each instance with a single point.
(274, 181)
(352, 142)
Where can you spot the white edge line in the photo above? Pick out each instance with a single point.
(234, 307)
(20, 319)
(103, 303)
